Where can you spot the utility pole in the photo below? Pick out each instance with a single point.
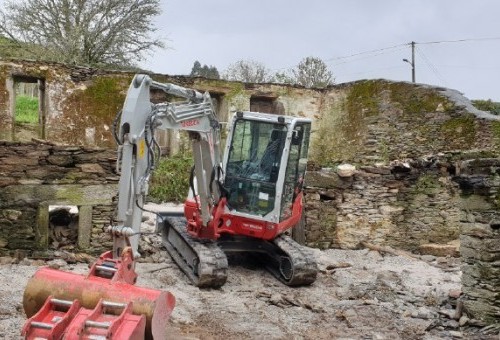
(412, 63)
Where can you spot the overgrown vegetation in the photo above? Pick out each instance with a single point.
(26, 109)
(426, 184)
(170, 180)
(417, 100)
(487, 105)
(341, 131)
(460, 130)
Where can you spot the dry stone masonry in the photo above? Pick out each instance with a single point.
(36, 176)
(480, 238)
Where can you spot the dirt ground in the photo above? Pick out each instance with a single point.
(359, 294)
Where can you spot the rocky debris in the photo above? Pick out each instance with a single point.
(63, 228)
(358, 294)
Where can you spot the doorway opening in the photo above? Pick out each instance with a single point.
(28, 108)
(63, 227)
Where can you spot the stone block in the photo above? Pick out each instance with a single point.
(84, 226)
(91, 168)
(60, 160)
(441, 250)
(346, 170)
(19, 161)
(480, 230)
(482, 310)
(489, 245)
(326, 180)
(390, 210)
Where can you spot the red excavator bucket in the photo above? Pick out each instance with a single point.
(109, 279)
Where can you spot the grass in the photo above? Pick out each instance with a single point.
(487, 105)
(170, 180)
(26, 110)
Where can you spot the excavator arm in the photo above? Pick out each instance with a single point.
(138, 152)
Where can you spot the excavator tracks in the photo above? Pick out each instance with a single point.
(297, 266)
(205, 262)
(202, 261)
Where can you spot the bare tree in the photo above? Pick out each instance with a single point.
(249, 71)
(313, 72)
(310, 72)
(84, 31)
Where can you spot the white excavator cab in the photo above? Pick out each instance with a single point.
(265, 161)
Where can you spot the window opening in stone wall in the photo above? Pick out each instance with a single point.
(63, 227)
(266, 105)
(28, 98)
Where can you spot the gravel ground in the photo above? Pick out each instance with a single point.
(359, 294)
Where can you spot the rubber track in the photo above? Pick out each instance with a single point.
(211, 271)
(305, 269)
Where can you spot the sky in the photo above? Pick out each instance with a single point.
(457, 41)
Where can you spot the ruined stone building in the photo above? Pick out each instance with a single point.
(424, 164)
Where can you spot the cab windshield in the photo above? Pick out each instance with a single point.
(253, 165)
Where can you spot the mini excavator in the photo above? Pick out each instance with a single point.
(246, 200)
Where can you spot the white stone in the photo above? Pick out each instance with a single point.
(346, 170)
(388, 209)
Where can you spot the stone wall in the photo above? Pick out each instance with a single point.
(406, 143)
(393, 133)
(480, 238)
(403, 205)
(35, 176)
(80, 103)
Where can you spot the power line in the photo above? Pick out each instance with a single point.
(458, 40)
(431, 66)
(365, 52)
(471, 67)
(394, 48)
(381, 51)
(367, 57)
